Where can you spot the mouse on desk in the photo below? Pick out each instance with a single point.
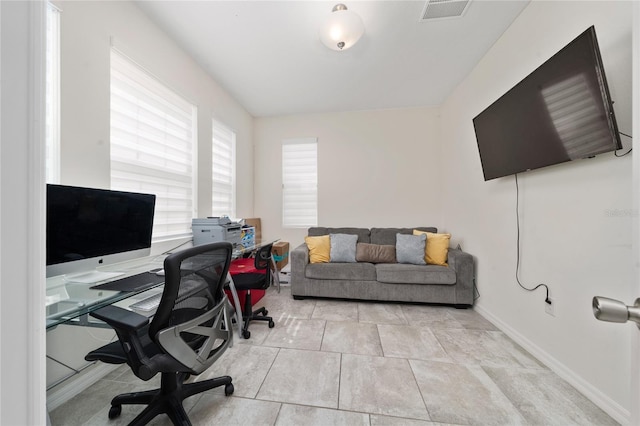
(160, 272)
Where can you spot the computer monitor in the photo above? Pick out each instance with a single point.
(88, 227)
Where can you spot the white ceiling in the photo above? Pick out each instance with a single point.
(268, 56)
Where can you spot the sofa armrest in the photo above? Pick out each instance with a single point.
(462, 263)
(299, 258)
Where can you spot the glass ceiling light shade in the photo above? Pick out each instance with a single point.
(341, 29)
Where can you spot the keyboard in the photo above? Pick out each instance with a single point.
(138, 282)
(148, 304)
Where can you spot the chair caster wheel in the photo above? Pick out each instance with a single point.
(115, 411)
(265, 313)
(246, 334)
(271, 324)
(228, 389)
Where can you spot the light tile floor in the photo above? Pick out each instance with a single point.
(331, 362)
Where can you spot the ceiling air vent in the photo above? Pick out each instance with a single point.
(444, 9)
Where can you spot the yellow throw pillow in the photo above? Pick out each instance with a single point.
(437, 247)
(319, 248)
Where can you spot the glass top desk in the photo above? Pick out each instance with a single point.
(69, 302)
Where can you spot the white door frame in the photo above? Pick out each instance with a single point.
(36, 217)
(635, 287)
(22, 217)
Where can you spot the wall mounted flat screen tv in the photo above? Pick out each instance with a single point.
(88, 227)
(560, 112)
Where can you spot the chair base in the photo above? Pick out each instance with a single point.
(168, 399)
(259, 314)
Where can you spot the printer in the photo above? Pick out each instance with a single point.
(216, 229)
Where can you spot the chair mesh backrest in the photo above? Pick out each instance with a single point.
(263, 257)
(193, 290)
(263, 260)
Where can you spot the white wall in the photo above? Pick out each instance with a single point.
(575, 217)
(375, 169)
(86, 32)
(87, 29)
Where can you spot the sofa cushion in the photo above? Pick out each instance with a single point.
(411, 249)
(375, 253)
(319, 248)
(343, 247)
(362, 233)
(341, 271)
(398, 273)
(388, 235)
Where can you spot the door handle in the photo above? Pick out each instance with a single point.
(611, 310)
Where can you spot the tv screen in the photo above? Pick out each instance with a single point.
(560, 112)
(84, 225)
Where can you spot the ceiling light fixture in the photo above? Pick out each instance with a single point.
(341, 29)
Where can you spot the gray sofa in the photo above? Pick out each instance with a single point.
(451, 285)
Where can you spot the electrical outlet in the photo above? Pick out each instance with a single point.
(550, 308)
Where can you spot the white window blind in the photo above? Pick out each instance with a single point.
(153, 138)
(223, 170)
(52, 108)
(300, 182)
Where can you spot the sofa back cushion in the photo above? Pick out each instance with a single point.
(388, 235)
(362, 233)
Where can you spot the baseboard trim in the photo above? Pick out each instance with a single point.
(76, 384)
(612, 408)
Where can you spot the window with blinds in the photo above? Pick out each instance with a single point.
(153, 145)
(223, 170)
(300, 182)
(52, 96)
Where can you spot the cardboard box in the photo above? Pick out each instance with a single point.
(255, 222)
(280, 252)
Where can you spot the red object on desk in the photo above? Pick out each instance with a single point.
(245, 266)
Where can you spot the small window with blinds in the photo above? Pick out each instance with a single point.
(223, 170)
(300, 182)
(153, 145)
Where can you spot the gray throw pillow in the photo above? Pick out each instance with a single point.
(410, 248)
(343, 248)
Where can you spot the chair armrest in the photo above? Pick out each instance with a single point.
(129, 327)
(121, 319)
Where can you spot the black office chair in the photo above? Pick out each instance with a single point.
(257, 278)
(189, 331)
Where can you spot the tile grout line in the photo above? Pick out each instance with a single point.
(415, 380)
